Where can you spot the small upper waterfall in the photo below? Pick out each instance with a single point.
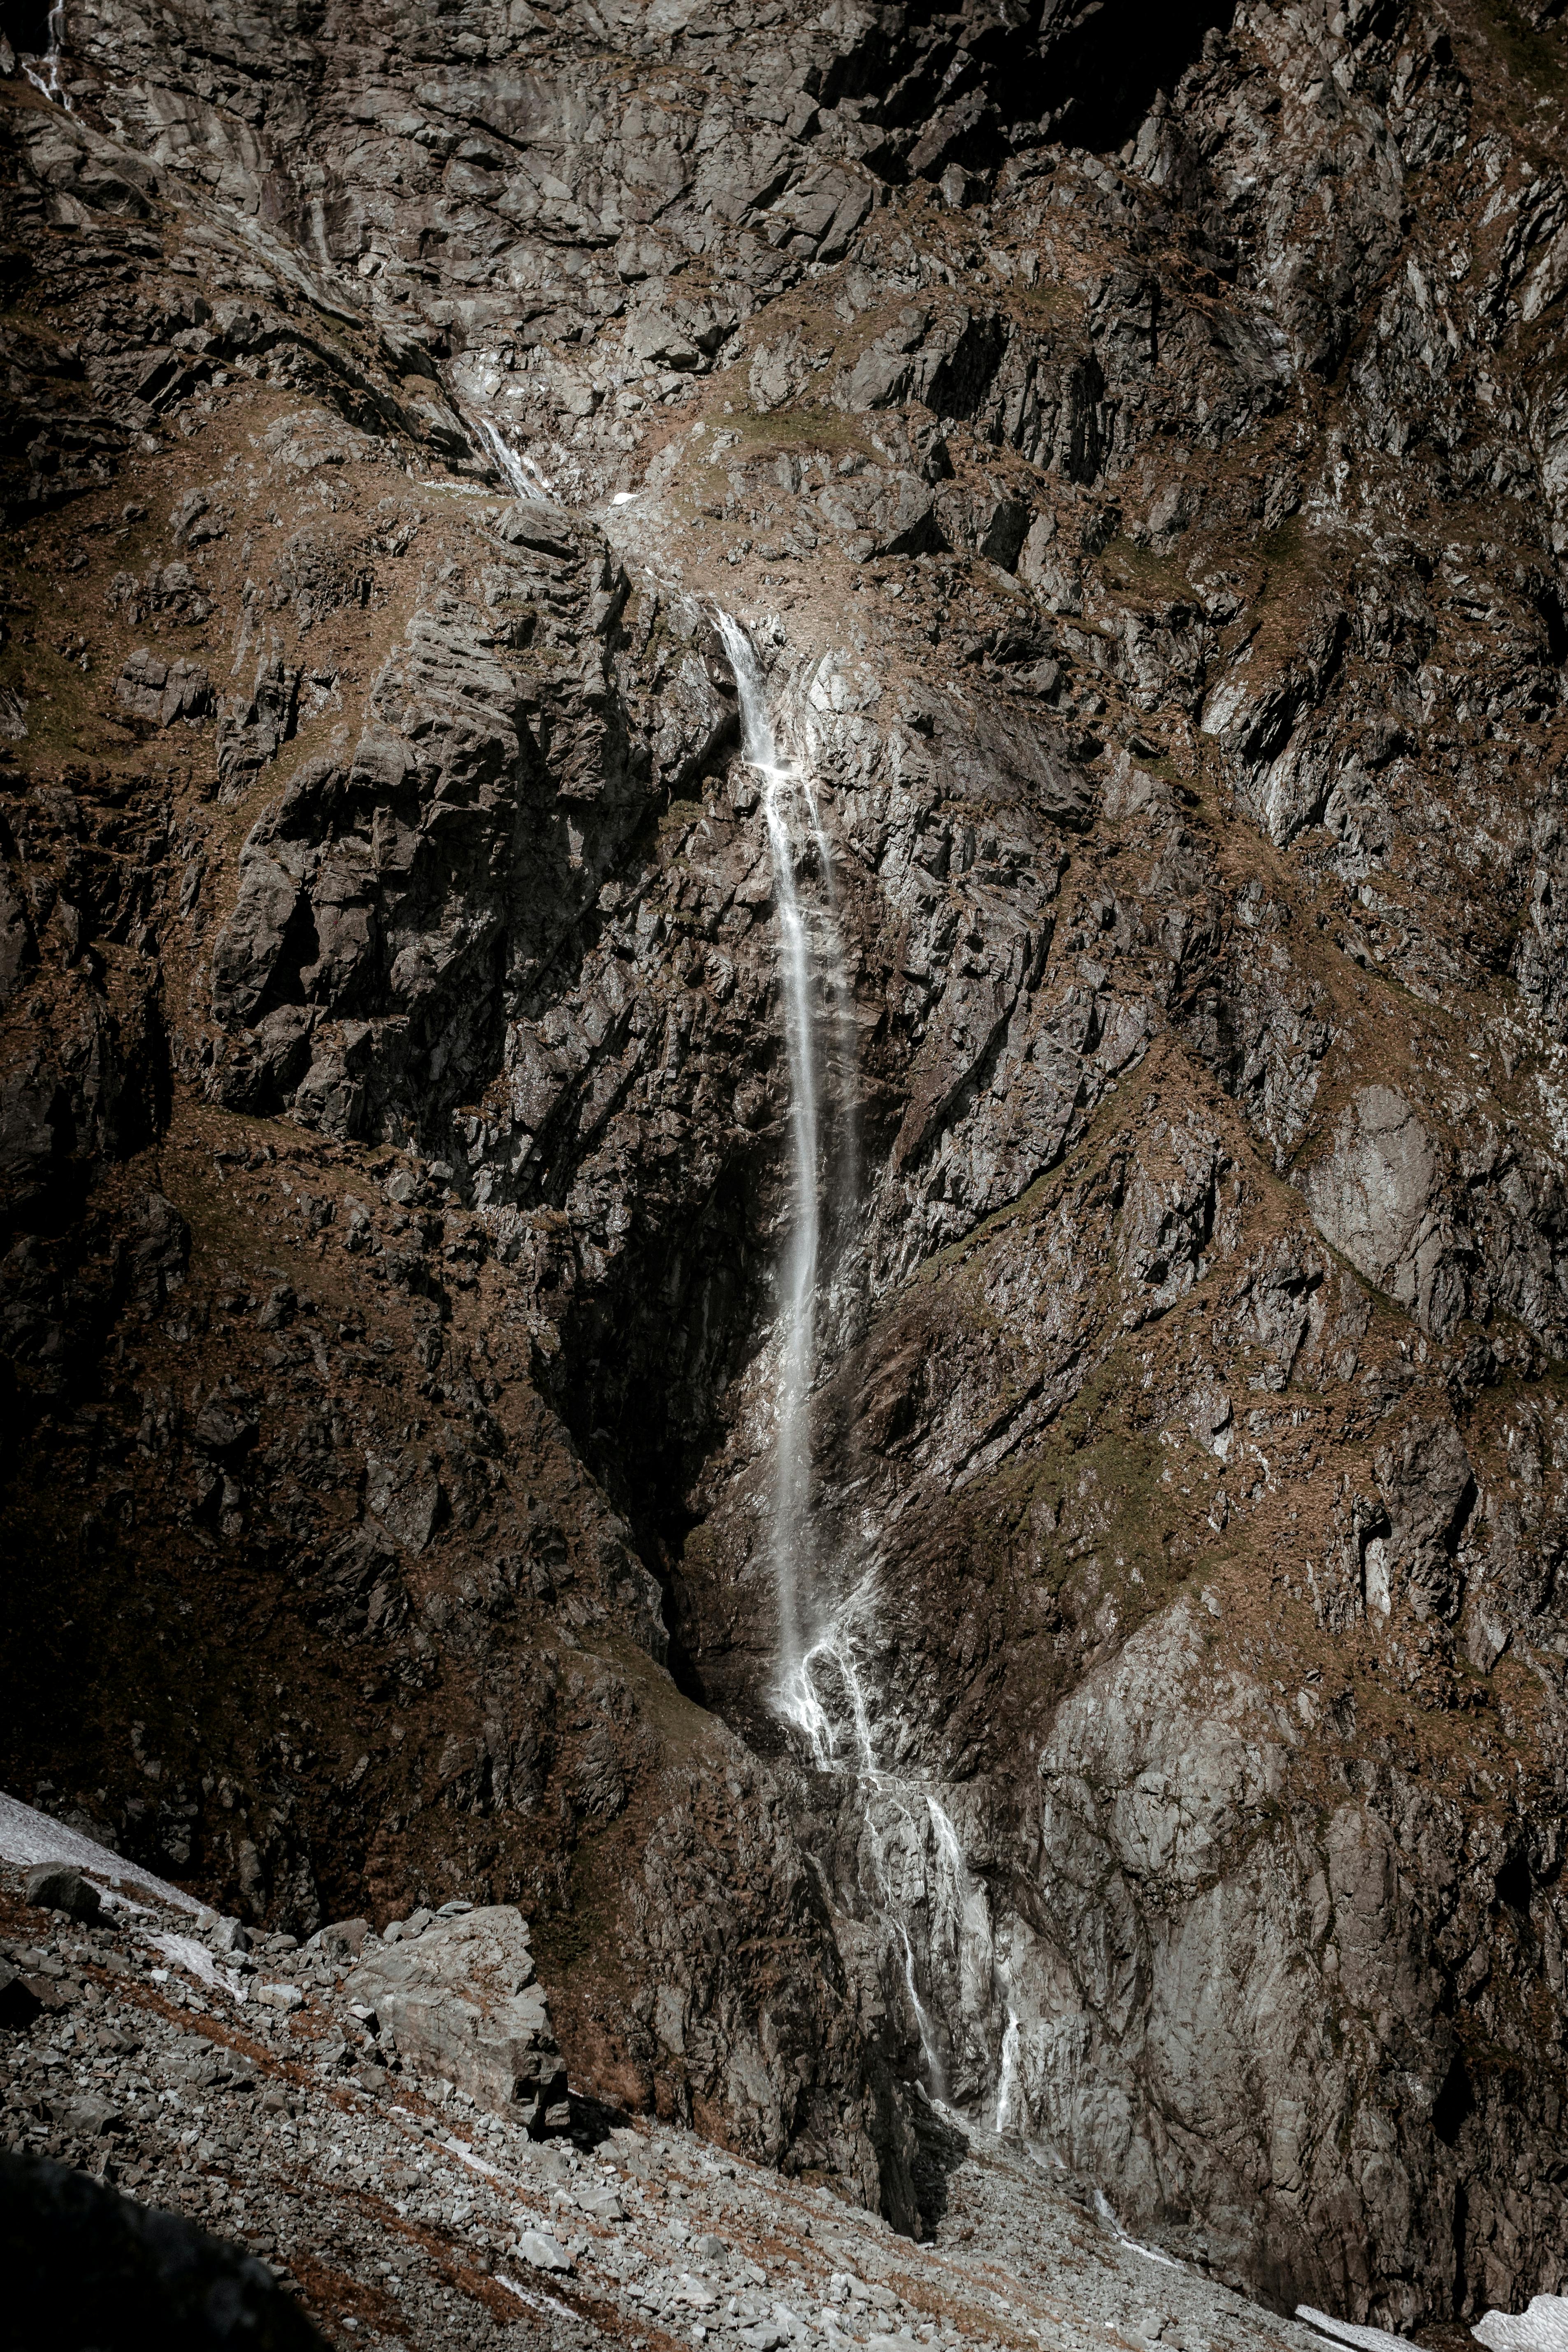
(515, 466)
(912, 1864)
(47, 73)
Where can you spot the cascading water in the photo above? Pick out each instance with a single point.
(47, 73)
(791, 1443)
(916, 1864)
(515, 466)
(1007, 2086)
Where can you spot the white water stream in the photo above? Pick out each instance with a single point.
(515, 466)
(46, 73)
(919, 1879)
(784, 789)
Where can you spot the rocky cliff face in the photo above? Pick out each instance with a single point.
(1143, 479)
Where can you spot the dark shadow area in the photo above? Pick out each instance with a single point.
(1549, 604)
(27, 26)
(85, 2266)
(1513, 1883)
(939, 2148)
(1455, 2101)
(1101, 66)
(593, 2120)
(647, 1361)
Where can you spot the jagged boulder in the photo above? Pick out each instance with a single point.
(463, 2001)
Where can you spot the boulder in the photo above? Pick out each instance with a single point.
(1542, 2328)
(541, 2252)
(344, 1940)
(601, 2204)
(54, 1886)
(93, 2118)
(463, 2003)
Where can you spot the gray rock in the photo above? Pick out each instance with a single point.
(1379, 1196)
(54, 1886)
(1543, 2327)
(464, 2002)
(160, 692)
(541, 2252)
(345, 1939)
(601, 2204)
(92, 2117)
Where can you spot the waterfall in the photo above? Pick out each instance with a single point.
(50, 79)
(516, 469)
(790, 1532)
(1007, 2086)
(909, 1843)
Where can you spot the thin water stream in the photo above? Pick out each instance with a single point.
(919, 1882)
(47, 73)
(515, 466)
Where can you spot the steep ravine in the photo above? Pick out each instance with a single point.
(1059, 1610)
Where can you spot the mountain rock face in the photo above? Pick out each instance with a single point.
(1140, 467)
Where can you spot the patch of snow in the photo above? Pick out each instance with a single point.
(1542, 2328)
(198, 1962)
(460, 2149)
(535, 2302)
(1149, 2253)
(1345, 2331)
(27, 1837)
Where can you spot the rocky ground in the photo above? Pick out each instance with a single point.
(1142, 479)
(399, 2210)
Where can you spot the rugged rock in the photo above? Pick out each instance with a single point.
(54, 1889)
(1141, 471)
(463, 2003)
(299, 2164)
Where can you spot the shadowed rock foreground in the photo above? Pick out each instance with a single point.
(1141, 472)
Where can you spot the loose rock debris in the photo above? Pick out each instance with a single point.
(249, 2090)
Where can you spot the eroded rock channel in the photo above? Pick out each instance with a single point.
(784, 1072)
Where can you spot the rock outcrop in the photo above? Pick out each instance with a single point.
(463, 2003)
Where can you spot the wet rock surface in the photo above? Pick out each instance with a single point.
(1141, 481)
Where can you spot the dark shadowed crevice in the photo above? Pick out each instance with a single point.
(1549, 604)
(1100, 74)
(1513, 1883)
(28, 27)
(1454, 2103)
(647, 1362)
